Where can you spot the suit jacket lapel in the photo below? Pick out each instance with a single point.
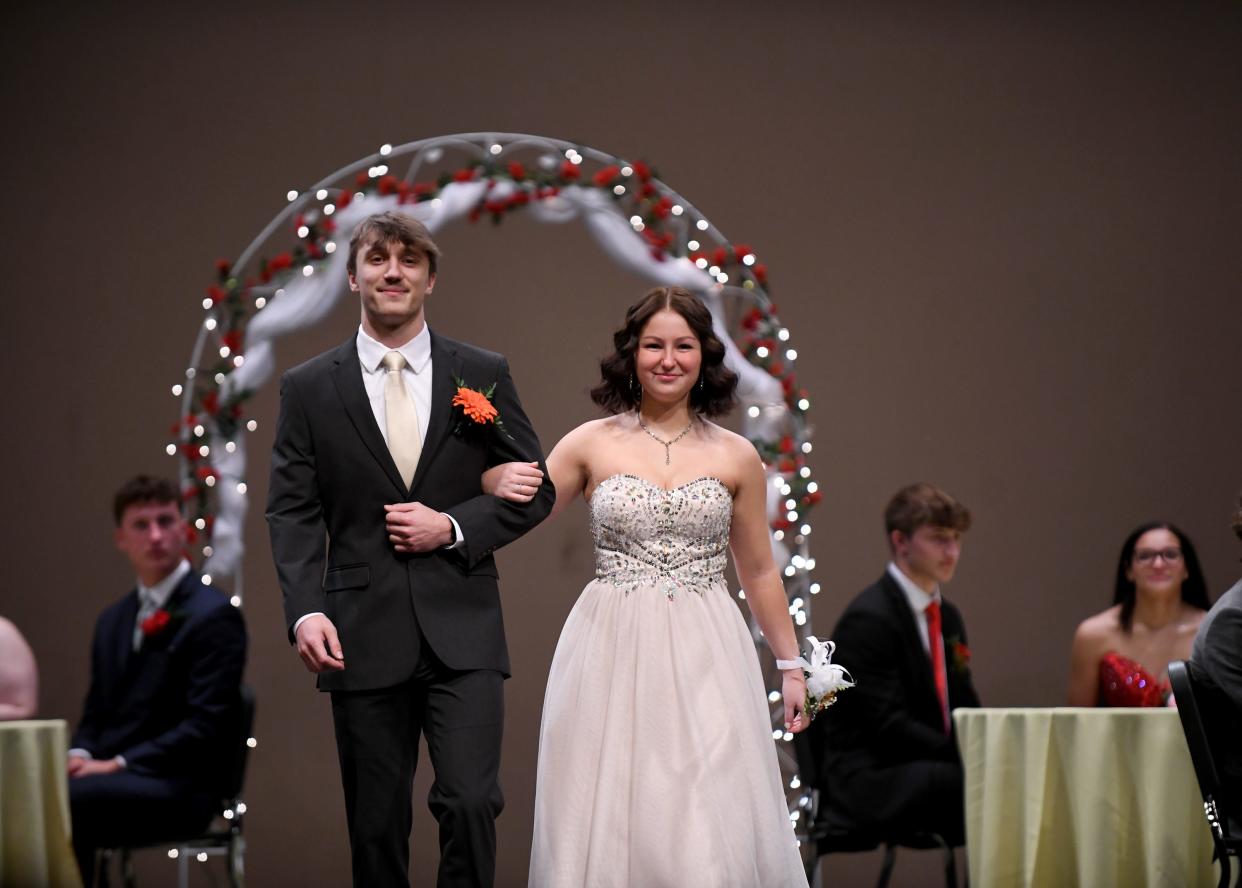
(123, 643)
(913, 639)
(348, 379)
(175, 605)
(445, 365)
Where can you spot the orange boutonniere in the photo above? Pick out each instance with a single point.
(476, 406)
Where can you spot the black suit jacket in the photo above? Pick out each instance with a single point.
(893, 715)
(331, 476)
(1217, 663)
(170, 707)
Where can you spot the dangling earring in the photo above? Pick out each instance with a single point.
(700, 382)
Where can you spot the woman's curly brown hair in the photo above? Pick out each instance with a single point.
(617, 391)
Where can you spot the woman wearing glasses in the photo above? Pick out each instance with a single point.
(1121, 656)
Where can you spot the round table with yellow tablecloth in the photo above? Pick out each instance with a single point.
(35, 844)
(1081, 797)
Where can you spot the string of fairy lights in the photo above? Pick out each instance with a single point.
(510, 172)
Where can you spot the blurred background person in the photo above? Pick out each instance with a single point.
(891, 763)
(19, 677)
(1120, 657)
(153, 748)
(1216, 665)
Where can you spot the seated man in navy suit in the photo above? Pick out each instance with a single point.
(890, 758)
(151, 751)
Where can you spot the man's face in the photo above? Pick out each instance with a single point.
(152, 536)
(393, 281)
(929, 555)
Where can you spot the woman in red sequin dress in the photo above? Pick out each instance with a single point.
(1120, 657)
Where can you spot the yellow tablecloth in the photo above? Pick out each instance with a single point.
(1081, 797)
(35, 846)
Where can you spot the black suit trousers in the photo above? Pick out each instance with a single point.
(915, 796)
(461, 713)
(127, 810)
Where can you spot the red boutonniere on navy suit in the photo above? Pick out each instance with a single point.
(958, 655)
(159, 623)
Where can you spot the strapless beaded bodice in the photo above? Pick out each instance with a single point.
(672, 539)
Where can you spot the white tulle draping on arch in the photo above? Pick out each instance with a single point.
(308, 298)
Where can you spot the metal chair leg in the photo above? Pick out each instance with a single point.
(237, 861)
(815, 878)
(890, 860)
(103, 860)
(127, 869)
(950, 868)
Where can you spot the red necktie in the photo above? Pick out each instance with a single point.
(936, 650)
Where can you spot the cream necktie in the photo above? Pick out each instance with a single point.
(404, 442)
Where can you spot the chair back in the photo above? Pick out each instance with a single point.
(240, 750)
(808, 750)
(1192, 726)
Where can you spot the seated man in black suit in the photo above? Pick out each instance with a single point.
(153, 745)
(1216, 663)
(890, 760)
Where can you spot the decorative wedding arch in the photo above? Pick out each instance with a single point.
(276, 287)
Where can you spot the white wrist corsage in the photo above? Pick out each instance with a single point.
(824, 679)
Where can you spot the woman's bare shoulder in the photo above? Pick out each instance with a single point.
(592, 430)
(1191, 618)
(736, 446)
(1101, 627)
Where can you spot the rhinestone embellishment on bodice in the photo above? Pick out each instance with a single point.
(673, 539)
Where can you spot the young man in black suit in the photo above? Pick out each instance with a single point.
(890, 757)
(152, 750)
(383, 542)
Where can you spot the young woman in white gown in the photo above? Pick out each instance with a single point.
(656, 760)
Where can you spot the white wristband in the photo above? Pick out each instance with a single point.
(786, 665)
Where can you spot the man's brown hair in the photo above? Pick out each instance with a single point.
(390, 227)
(141, 490)
(1237, 519)
(921, 504)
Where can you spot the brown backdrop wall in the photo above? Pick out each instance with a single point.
(1005, 241)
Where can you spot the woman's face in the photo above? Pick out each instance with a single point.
(668, 358)
(1157, 564)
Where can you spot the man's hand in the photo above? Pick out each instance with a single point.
(412, 527)
(80, 767)
(318, 645)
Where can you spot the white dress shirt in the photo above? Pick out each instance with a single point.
(919, 600)
(152, 598)
(416, 376)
